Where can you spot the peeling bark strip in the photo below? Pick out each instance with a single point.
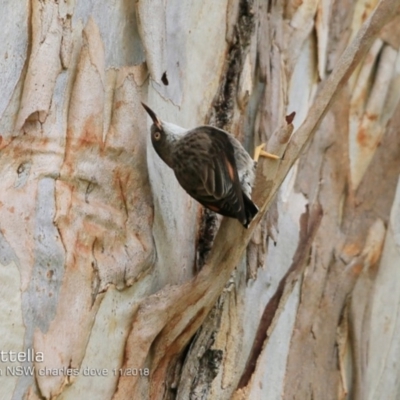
(309, 224)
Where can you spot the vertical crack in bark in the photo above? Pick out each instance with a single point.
(96, 278)
(207, 231)
(221, 113)
(209, 365)
(202, 360)
(123, 198)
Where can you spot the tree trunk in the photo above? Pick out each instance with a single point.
(116, 284)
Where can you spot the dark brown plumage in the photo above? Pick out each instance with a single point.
(204, 161)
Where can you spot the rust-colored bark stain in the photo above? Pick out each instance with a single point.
(4, 142)
(92, 132)
(352, 249)
(82, 248)
(86, 141)
(363, 138)
(357, 268)
(291, 7)
(77, 144)
(372, 117)
(375, 256)
(368, 7)
(119, 104)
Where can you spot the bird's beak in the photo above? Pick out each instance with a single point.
(153, 116)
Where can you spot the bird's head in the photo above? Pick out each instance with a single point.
(163, 135)
(157, 131)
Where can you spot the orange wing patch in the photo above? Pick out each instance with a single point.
(213, 208)
(231, 171)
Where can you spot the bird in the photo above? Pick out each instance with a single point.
(210, 164)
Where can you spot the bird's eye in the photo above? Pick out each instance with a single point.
(157, 135)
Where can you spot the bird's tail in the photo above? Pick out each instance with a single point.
(250, 210)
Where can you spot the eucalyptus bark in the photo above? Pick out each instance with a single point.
(121, 285)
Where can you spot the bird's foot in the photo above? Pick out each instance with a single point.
(259, 152)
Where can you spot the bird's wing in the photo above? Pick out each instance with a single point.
(204, 164)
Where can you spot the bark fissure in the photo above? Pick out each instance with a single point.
(221, 114)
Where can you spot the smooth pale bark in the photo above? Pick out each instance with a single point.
(107, 265)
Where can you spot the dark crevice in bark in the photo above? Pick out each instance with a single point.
(203, 360)
(220, 115)
(174, 375)
(224, 103)
(221, 112)
(209, 365)
(207, 231)
(96, 281)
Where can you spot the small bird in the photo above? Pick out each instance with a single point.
(211, 166)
